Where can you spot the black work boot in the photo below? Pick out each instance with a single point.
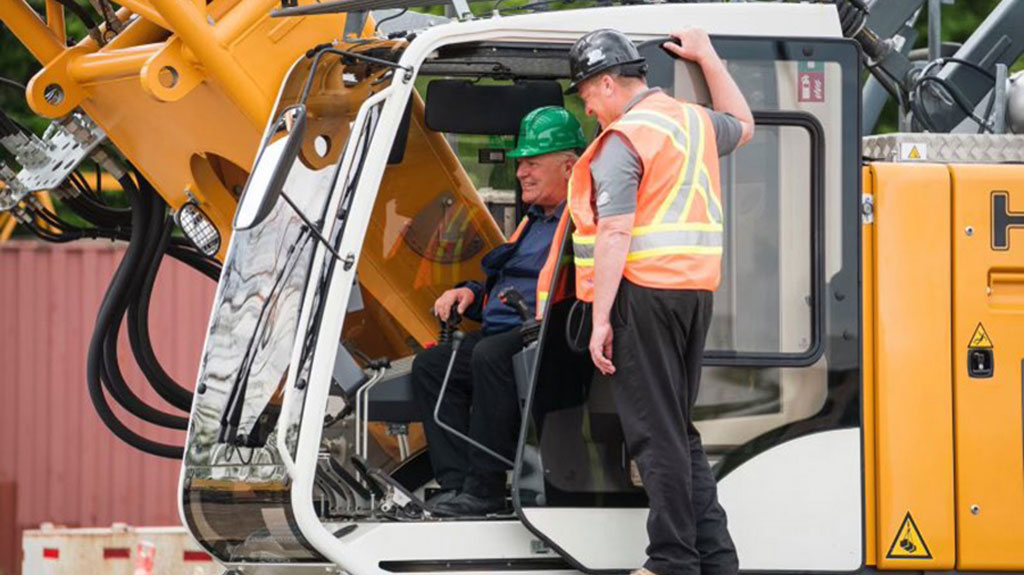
(441, 497)
(469, 505)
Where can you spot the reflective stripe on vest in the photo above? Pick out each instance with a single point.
(654, 241)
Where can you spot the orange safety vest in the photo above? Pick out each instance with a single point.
(677, 234)
(544, 279)
(518, 231)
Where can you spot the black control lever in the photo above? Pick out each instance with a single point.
(457, 338)
(449, 327)
(513, 299)
(531, 327)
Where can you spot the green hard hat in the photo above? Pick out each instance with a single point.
(548, 129)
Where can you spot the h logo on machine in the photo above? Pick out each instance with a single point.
(1003, 220)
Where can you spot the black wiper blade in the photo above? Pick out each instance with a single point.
(231, 417)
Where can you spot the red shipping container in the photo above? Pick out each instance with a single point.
(67, 467)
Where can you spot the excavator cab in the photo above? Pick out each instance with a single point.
(368, 199)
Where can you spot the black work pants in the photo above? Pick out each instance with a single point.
(657, 345)
(481, 400)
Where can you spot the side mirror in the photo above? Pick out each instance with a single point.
(273, 164)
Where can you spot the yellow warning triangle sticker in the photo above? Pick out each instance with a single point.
(980, 338)
(908, 543)
(914, 154)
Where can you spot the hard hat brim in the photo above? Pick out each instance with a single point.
(532, 153)
(574, 86)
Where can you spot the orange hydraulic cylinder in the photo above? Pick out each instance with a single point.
(912, 365)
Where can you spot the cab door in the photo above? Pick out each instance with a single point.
(779, 405)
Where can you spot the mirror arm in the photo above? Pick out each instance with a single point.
(313, 229)
(329, 50)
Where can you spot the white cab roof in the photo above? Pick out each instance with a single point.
(642, 22)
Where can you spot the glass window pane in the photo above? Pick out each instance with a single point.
(764, 302)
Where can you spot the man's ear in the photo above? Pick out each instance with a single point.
(567, 166)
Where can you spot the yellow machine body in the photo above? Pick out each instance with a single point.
(184, 92)
(944, 287)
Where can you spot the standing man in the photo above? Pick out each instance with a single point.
(647, 208)
(481, 399)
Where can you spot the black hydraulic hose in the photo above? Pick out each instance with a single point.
(80, 12)
(4, 81)
(108, 315)
(118, 229)
(116, 216)
(128, 276)
(49, 218)
(199, 262)
(49, 237)
(85, 18)
(87, 211)
(122, 392)
(98, 217)
(138, 316)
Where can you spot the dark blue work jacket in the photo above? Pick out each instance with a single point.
(515, 264)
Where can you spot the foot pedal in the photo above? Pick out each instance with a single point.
(396, 494)
(363, 469)
(346, 477)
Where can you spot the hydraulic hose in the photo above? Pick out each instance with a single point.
(138, 315)
(85, 18)
(149, 232)
(179, 249)
(108, 318)
(197, 261)
(88, 212)
(128, 276)
(98, 214)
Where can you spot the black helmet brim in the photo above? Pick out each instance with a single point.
(640, 66)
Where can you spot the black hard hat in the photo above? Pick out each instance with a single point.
(599, 51)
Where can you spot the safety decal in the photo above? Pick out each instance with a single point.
(811, 80)
(913, 151)
(980, 339)
(908, 543)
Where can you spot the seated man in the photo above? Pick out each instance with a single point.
(481, 397)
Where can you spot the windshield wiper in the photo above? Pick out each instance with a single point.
(232, 414)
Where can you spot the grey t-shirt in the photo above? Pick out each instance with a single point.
(616, 168)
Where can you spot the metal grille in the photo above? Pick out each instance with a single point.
(199, 229)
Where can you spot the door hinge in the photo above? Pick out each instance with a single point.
(867, 209)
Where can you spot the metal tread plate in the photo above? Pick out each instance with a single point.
(945, 148)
